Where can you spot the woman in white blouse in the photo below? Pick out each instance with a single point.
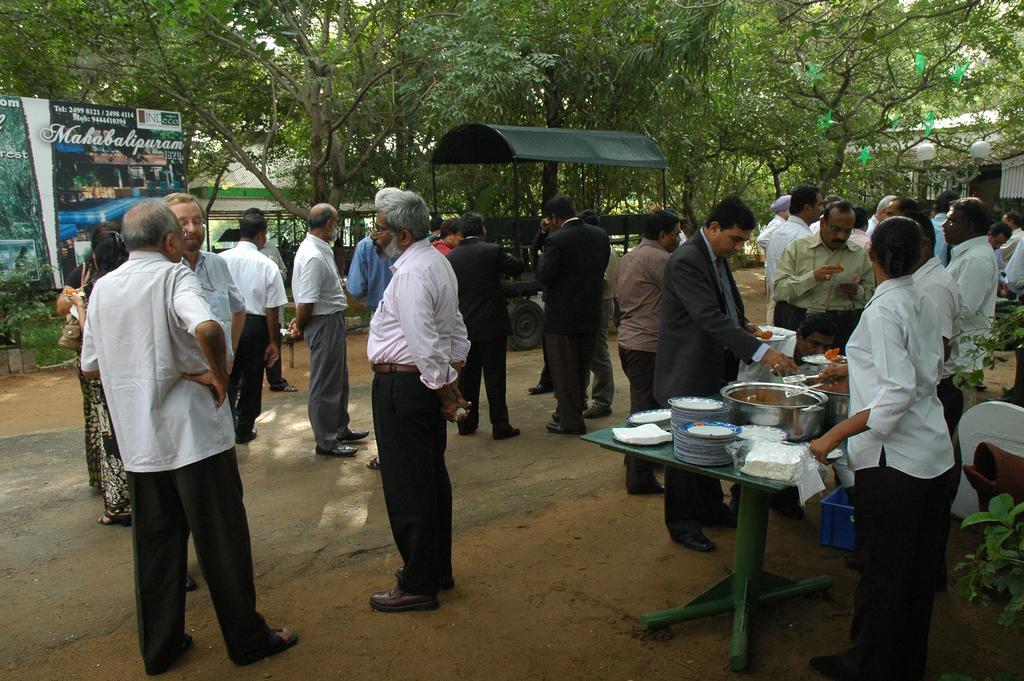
(899, 448)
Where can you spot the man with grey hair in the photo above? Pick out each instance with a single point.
(161, 353)
(417, 347)
(319, 316)
(881, 212)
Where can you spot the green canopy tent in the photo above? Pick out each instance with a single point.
(486, 144)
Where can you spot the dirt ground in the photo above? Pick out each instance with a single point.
(554, 563)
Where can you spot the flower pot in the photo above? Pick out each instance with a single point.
(994, 472)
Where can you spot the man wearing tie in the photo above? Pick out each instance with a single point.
(703, 336)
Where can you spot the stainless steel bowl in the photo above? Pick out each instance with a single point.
(837, 408)
(798, 411)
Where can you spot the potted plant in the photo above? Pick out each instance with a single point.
(996, 569)
(19, 304)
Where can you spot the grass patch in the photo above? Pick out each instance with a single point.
(41, 335)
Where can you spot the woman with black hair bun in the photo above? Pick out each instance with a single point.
(900, 450)
(102, 457)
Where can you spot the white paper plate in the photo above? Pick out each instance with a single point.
(821, 361)
(778, 334)
(650, 416)
(696, 403)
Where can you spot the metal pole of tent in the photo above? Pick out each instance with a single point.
(433, 186)
(516, 245)
(664, 188)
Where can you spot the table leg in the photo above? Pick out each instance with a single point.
(751, 531)
(747, 586)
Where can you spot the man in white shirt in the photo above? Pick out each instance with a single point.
(780, 207)
(417, 346)
(278, 383)
(881, 212)
(974, 270)
(1015, 272)
(936, 283)
(219, 288)
(263, 290)
(319, 316)
(805, 206)
(1014, 221)
(161, 354)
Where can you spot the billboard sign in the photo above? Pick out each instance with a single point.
(66, 167)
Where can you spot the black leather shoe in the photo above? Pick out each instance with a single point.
(338, 450)
(596, 412)
(653, 487)
(445, 583)
(554, 416)
(190, 584)
(374, 465)
(559, 429)
(540, 389)
(277, 642)
(695, 541)
(466, 430)
(245, 438)
(832, 667)
(504, 432)
(352, 435)
(396, 600)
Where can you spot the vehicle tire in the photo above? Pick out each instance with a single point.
(527, 324)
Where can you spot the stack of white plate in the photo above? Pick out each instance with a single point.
(689, 409)
(703, 443)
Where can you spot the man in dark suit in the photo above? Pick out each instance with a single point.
(571, 268)
(479, 267)
(703, 336)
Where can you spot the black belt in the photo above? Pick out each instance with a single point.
(395, 368)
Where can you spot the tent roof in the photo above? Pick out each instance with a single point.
(490, 144)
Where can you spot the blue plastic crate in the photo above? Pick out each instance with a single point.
(837, 521)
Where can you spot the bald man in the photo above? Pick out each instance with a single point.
(320, 317)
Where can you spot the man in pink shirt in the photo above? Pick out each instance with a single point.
(417, 346)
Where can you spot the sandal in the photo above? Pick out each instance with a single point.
(122, 519)
(286, 388)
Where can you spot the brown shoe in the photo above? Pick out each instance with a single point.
(396, 600)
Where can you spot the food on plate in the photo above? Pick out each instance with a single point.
(834, 355)
(839, 268)
(763, 335)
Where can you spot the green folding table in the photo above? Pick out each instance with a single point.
(747, 586)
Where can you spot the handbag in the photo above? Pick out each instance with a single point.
(71, 334)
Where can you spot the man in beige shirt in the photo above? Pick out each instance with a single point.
(825, 273)
(638, 285)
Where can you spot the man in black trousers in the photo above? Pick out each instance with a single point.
(417, 346)
(161, 354)
(262, 288)
(571, 268)
(479, 267)
(703, 336)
